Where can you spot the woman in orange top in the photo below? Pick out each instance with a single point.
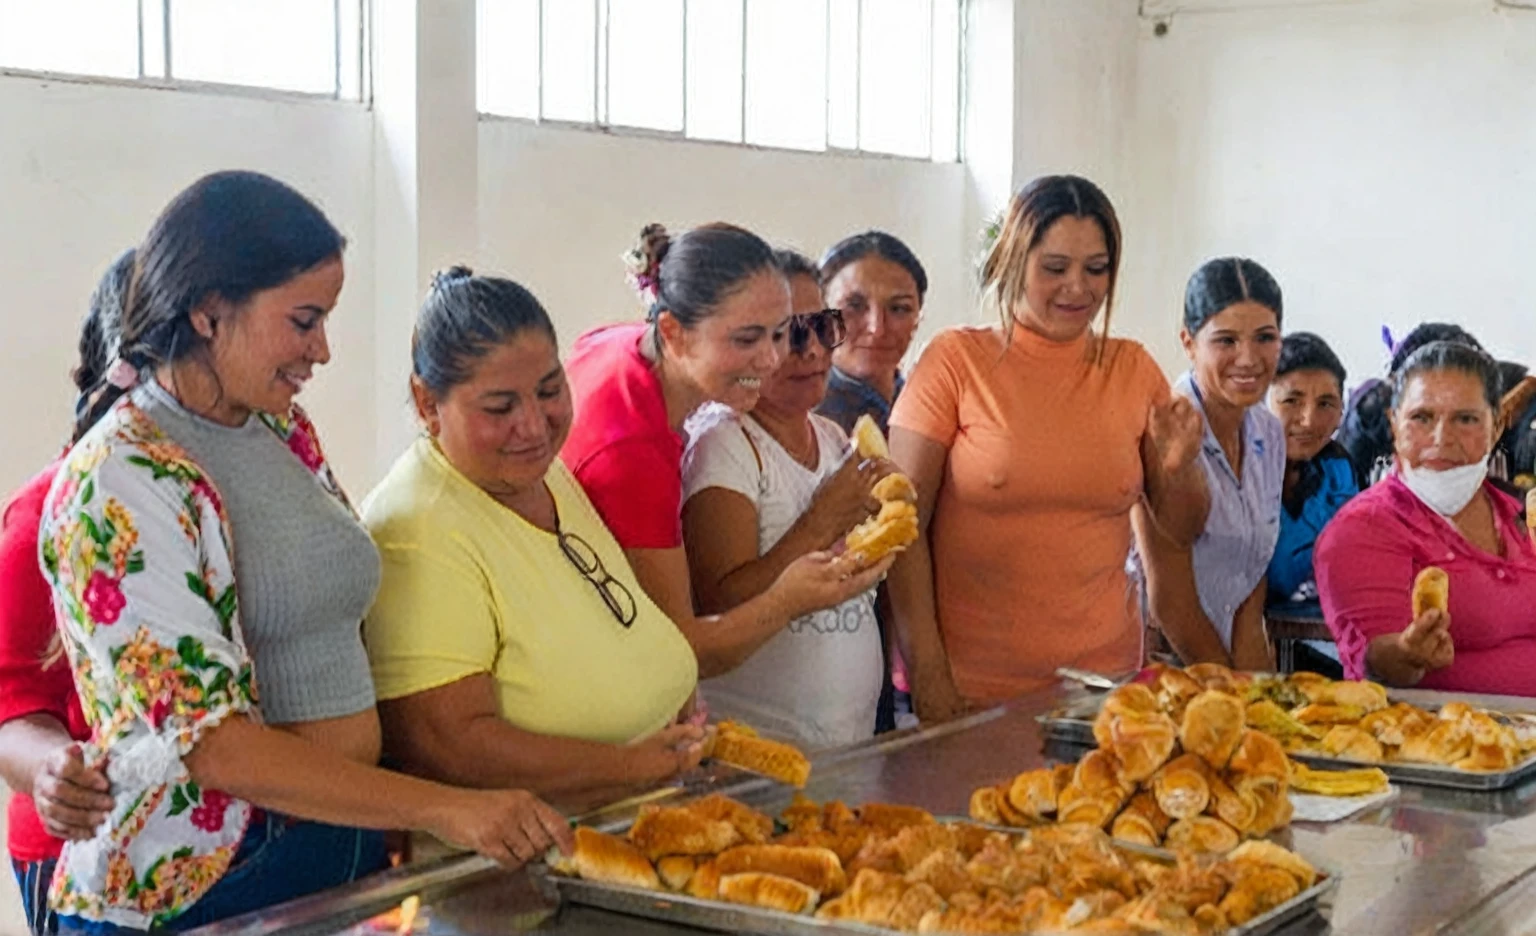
(1030, 444)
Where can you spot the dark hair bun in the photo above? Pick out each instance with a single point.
(652, 245)
(442, 279)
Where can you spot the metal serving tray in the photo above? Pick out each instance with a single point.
(733, 918)
(1073, 722)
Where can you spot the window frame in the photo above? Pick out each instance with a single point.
(602, 124)
(153, 13)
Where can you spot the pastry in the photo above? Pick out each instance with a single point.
(1181, 788)
(1351, 743)
(1202, 834)
(1356, 782)
(675, 872)
(818, 868)
(1142, 820)
(1325, 713)
(1240, 810)
(1431, 589)
(768, 891)
(892, 529)
(868, 438)
(705, 882)
(1260, 852)
(735, 744)
(753, 825)
(1212, 727)
(1034, 793)
(1258, 755)
(609, 859)
(1142, 742)
(894, 487)
(660, 831)
(1268, 717)
(1258, 890)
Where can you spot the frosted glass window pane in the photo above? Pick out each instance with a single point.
(714, 69)
(946, 80)
(83, 37)
(787, 73)
(507, 58)
(285, 44)
(843, 74)
(894, 77)
(645, 63)
(570, 59)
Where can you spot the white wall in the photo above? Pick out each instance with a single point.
(1379, 156)
(559, 206)
(84, 168)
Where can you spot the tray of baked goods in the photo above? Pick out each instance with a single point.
(1454, 740)
(828, 868)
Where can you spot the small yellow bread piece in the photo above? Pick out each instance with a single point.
(868, 438)
(1431, 589)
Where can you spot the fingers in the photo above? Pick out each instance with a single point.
(679, 735)
(73, 823)
(73, 768)
(556, 828)
(501, 854)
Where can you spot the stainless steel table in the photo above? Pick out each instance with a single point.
(1430, 861)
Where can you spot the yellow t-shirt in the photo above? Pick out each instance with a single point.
(471, 587)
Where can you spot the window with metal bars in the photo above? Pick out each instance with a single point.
(302, 46)
(873, 76)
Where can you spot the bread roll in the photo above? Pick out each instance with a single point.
(1431, 589)
(1182, 788)
(817, 868)
(675, 872)
(868, 438)
(676, 830)
(1213, 725)
(609, 859)
(769, 891)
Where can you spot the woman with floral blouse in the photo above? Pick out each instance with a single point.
(236, 724)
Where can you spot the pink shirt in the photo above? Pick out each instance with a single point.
(626, 455)
(1367, 558)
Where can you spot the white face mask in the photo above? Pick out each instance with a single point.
(1446, 492)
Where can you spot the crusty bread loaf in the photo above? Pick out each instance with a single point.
(611, 860)
(660, 831)
(817, 868)
(769, 891)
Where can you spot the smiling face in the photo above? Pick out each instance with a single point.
(1234, 354)
(1310, 404)
(1443, 421)
(881, 308)
(1066, 279)
(729, 354)
(800, 382)
(503, 425)
(266, 348)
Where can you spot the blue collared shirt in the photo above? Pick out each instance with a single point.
(848, 398)
(1233, 552)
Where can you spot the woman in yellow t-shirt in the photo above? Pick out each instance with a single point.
(510, 637)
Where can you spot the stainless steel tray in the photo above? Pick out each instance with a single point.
(733, 918)
(1073, 722)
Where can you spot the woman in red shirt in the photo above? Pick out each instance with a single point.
(717, 325)
(56, 796)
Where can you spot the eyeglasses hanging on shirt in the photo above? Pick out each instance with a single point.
(586, 560)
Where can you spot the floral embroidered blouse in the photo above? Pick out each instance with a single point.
(136, 546)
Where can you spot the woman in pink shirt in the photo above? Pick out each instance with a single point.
(1436, 508)
(717, 326)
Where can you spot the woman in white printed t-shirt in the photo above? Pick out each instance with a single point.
(762, 489)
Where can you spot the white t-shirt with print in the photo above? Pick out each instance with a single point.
(817, 682)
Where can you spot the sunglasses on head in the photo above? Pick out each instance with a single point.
(827, 325)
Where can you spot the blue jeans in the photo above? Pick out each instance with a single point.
(280, 859)
(33, 878)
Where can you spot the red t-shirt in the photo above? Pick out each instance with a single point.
(26, 628)
(626, 455)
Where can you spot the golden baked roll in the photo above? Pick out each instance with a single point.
(1142, 742)
(1095, 809)
(1182, 788)
(942, 870)
(660, 831)
(892, 529)
(803, 814)
(916, 842)
(1274, 808)
(1366, 696)
(1034, 792)
(1431, 589)
(1351, 743)
(1212, 727)
(769, 891)
(1142, 820)
(676, 871)
(868, 438)
(894, 487)
(753, 825)
(609, 859)
(894, 816)
(918, 901)
(1267, 853)
(1389, 724)
(1258, 755)
(871, 898)
(985, 806)
(1013, 817)
(1098, 772)
(1174, 688)
(818, 868)
(1202, 834)
(1240, 810)
(1442, 742)
(1129, 698)
(1216, 676)
(1257, 890)
(1211, 919)
(734, 744)
(705, 882)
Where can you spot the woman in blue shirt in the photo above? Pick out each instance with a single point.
(1308, 396)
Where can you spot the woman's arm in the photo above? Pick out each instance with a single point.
(39, 759)
(277, 771)
(1403, 660)
(915, 611)
(457, 734)
(1365, 570)
(720, 531)
(1172, 595)
(1250, 641)
(723, 642)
